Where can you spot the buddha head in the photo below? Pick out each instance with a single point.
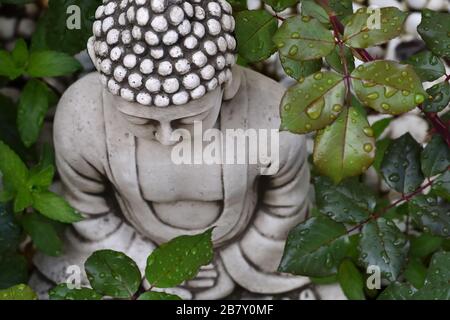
(164, 63)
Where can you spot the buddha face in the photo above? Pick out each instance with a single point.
(156, 123)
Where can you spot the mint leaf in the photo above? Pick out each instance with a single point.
(43, 234)
(18, 292)
(51, 64)
(62, 292)
(55, 207)
(14, 171)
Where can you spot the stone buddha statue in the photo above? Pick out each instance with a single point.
(165, 66)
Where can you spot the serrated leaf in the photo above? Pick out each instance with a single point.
(424, 245)
(300, 69)
(435, 31)
(280, 5)
(55, 207)
(388, 86)
(334, 59)
(346, 147)
(350, 201)
(152, 295)
(427, 66)
(254, 31)
(41, 178)
(400, 167)
(33, 106)
(441, 186)
(415, 273)
(179, 260)
(112, 273)
(380, 125)
(62, 292)
(20, 53)
(51, 64)
(9, 231)
(13, 269)
(435, 158)
(431, 214)
(385, 246)
(351, 281)
(18, 292)
(7, 66)
(315, 248)
(397, 291)
(43, 234)
(362, 30)
(22, 200)
(438, 97)
(12, 168)
(313, 103)
(303, 38)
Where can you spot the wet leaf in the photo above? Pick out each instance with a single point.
(315, 248)
(415, 273)
(435, 158)
(18, 292)
(350, 201)
(345, 148)
(380, 125)
(13, 269)
(334, 60)
(427, 66)
(397, 291)
(363, 30)
(152, 295)
(55, 207)
(388, 86)
(438, 276)
(303, 38)
(438, 97)
(62, 292)
(400, 167)
(435, 31)
(112, 273)
(43, 234)
(254, 31)
(431, 214)
(424, 245)
(384, 245)
(313, 103)
(179, 260)
(280, 5)
(441, 186)
(351, 281)
(380, 149)
(300, 69)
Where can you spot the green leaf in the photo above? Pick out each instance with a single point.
(313, 103)
(9, 231)
(8, 129)
(179, 260)
(424, 245)
(427, 66)
(51, 64)
(380, 149)
(362, 31)
(13, 269)
(7, 66)
(400, 167)
(43, 234)
(388, 86)
(351, 280)
(14, 171)
(22, 200)
(33, 106)
(55, 207)
(254, 31)
(112, 273)
(384, 245)
(18, 292)
(397, 291)
(315, 248)
(152, 295)
(280, 5)
(438, 97)
(381, 125)
(52, 32)
(303, 38)
(435, 158)
(334, 60)
(41, 178)
(300, 69)
(437, 280)
(435, 31)
(20, 53)
(431, 214)
(348, 143)
(415, 273)
(62, 292)
(350, 201)
(441, 186)
(342, 9)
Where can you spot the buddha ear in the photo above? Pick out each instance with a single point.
(232, 85)
(91, 52)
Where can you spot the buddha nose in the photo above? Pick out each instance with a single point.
(164, 134)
